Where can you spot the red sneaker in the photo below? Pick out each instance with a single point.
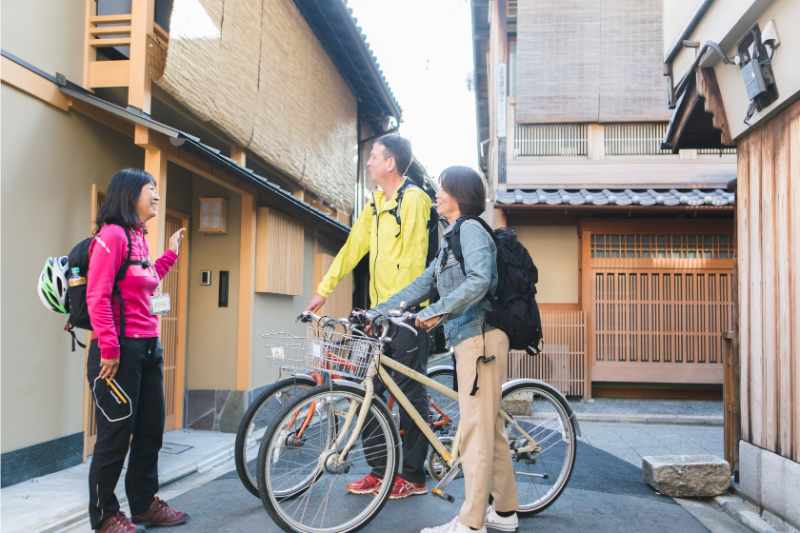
(403, 488)
(117, 523)
(366, 485)
(160, 515)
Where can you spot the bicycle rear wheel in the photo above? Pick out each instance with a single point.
(254, 423)
(303, 488)
(543, 441)
(444, 410)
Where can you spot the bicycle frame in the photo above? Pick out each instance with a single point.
(378, 368)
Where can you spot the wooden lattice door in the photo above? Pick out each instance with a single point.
(659, 303)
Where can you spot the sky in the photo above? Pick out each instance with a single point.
(425, 50)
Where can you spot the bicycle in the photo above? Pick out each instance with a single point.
(351, 429)
(285, 391)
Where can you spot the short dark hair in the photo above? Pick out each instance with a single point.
(119, 206)
(466, 186)
(399, 148)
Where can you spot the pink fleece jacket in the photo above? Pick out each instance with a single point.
(106, 255)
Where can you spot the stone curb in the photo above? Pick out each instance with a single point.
(74, 516)
(681, 420)
(744, 512)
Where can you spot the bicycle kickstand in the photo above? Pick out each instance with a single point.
(451, 474)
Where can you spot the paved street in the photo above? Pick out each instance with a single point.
(605, 494)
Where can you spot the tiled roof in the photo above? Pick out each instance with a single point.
(617, 197)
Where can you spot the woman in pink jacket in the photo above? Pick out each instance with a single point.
(125, 356)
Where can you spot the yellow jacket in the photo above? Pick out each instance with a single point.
(397, 254)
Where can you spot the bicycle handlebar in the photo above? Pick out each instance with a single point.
(370, 318)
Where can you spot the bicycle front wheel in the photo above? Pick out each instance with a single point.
(543, 442)
(256, 419)
(303, 486)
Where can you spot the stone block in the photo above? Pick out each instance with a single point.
(773, 487)
(687, 476)
(750, 471)
(517, 407)
(792, 480)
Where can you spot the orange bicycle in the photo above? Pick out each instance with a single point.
(272, 398)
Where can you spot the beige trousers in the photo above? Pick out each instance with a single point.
(484, 448)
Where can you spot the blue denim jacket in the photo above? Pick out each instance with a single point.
(462, 299)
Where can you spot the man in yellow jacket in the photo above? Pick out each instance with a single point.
(396, 238)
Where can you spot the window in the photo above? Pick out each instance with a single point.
(673, 246)
(551, 140)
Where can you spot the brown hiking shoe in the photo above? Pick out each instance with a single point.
(117, 523)
(160, 515)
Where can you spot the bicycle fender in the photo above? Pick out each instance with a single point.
(436, 368)
(551, 389)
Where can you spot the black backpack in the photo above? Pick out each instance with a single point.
(78, 260)
(514, 308)
(433, 221)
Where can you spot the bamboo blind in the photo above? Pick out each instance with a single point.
(279, 253)
(340, 303)
(562, 360)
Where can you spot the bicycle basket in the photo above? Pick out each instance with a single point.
(323, 349)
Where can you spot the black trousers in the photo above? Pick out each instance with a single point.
(413, 351)
(138, 428)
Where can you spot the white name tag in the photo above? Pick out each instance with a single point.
(160, 304)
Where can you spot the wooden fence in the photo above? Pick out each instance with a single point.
(768, 227)
(563, 359)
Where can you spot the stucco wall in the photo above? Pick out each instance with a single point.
(47, 34)
(211, 354)
(50, 161)
(276, 312)
(555, 252)
(262, 77)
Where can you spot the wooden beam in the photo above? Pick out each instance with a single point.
(108, 74)
(707, 86)
(247, 239)
(89, 53)
(29, 82)
(139, 89)
(587, 302)
(106, 119)
(155, 162)
(343, 217)
(239, 155)
(300, 194)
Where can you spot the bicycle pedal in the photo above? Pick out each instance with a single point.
(439, 493)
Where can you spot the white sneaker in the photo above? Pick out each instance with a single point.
(453, 526)
(501, 523)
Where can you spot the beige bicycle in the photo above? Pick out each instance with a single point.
(350, 433)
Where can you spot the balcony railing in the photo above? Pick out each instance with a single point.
(565, 140)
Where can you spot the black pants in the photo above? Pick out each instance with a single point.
(413, 351)
(141, 379)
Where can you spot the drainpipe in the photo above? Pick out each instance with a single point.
(678, 45)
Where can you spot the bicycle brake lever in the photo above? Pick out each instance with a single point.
(402, 323)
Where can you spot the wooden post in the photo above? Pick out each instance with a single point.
(586, 304)
(239, 155)
(730, 392)
(247, 252)
(139, 86)
(155, 162)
